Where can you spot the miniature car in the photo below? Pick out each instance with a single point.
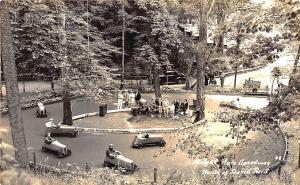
(60, 130)
(121, 163)
(56, 147)
(41, 110)
(145, 139)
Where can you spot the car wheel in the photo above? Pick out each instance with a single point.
(106, 164)
(162, 143)
(69, 152)
(44, 149)
(139, 146)
(60, 155)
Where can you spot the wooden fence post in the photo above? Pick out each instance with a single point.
(155, 176)
(279, 169)
(87, 167)
(34, 159)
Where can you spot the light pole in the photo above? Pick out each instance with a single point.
(123, 44)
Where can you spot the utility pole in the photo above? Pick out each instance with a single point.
(123, 44)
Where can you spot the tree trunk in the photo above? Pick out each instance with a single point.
(201, 61)
(296, 61)
(67, 118)
(272, 86)
(235, 76)
(238, 43)
(220, 21)
(222, 80)
(156, 81)
(12, 90)
(67, 111)
(188, 75)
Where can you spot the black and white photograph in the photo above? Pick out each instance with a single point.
(150, 92)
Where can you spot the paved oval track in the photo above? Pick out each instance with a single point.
(89, 148)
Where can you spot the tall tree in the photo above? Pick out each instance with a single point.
(156, 39)
(201, 57)
(12, 90)
(36, 32)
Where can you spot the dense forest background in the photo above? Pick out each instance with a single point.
(153, 36)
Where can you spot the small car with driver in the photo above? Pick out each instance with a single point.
(54, 146)
(60, 129)
(41, 110)
(115, 160)
(145, 139)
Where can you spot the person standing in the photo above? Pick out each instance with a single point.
(152, 107)
(182, 107)
(132, 98)
(156, 105)
(179, 110)
(120, 100)
(166, 108)
(160, 107)
(126, 99)
(222, 79)
(138, 97)
(185, 106)
(172, 110)
(176, 105)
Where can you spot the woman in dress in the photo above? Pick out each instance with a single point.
(132, 98)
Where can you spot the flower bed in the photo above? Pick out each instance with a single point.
(47, 98)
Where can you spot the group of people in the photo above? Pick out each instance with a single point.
(156, 106)
(164, 108)
(128, 99)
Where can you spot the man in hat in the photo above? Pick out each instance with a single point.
(111, 152)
